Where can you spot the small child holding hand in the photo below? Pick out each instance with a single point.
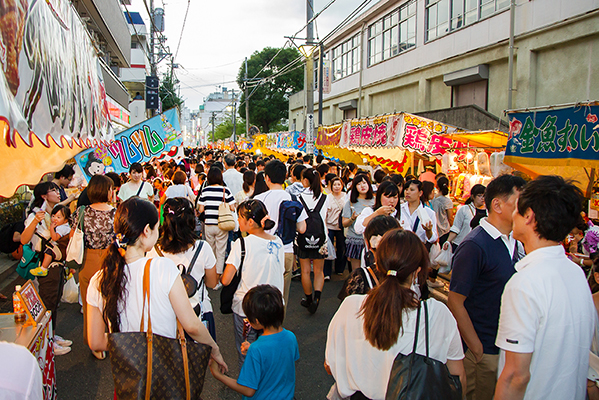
(269, 368)
(59, 234)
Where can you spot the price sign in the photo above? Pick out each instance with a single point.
(33, 304)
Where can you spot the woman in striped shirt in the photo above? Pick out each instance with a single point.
(214, 193)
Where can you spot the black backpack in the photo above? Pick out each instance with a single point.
(289, 212)
(190, 283)
(314, 237)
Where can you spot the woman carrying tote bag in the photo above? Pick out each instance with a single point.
(115, 298)
(368, 332)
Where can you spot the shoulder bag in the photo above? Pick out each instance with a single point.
(226, 221)
(191, 285)
(420, 377)
(76, 248)
(148, 366)
(228, 292)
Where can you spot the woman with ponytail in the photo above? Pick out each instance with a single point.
(179, 243)
(263, 263)
(443, 207)
(115, 293)
(312, 243)
(368, 332)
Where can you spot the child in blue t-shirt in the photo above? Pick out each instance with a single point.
(269, 368)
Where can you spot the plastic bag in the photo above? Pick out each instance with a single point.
(444, 259)
(70, 293)
(331, 250)
(434, 253)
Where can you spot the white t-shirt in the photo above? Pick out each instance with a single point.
(358, 366)
(63, 229)
(407, 221)
(163, 273)
(181, 190)
(461, 222)
(130, 189)
(205, 260)
(233, 179)
(272, 199)
(547, 310)
(20, 374)
(264, 263)
(359, 226)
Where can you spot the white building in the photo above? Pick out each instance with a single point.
(218, 105)
(448, 60)
(134, 78)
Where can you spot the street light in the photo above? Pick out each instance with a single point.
(307, 49)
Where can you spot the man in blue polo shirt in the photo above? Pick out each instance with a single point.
(482, 265)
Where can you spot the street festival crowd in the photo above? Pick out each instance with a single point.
(520, 319)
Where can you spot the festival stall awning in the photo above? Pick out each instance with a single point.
(52, 94)
(488, 140)
(561, 141)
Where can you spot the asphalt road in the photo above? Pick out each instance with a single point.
(81, 376)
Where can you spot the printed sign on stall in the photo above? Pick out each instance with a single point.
(140, 144)
(381, 131)
(424, 135)
(568, 136)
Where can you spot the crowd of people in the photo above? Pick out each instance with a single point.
(519, 320)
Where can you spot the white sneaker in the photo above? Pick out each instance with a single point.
(62, 341)
(59, 350)
(435, 284)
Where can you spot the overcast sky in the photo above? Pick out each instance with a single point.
(219, 34)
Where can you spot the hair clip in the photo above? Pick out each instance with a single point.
(392, 272)
(121, 243)
(170, 211)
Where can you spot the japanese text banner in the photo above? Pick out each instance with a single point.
(140, 144)
(568, 136)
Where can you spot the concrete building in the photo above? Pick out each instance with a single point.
(108, 29)
(134, 78)
(448, 60)
(219, 104)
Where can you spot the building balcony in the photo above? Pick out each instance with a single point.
(114, 87)
(105, 19)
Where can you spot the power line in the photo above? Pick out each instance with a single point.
(182, 27)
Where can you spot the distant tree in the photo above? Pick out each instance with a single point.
(168, 94)
(225, 130)
(269, 103)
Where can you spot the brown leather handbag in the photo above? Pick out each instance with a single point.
(145, 365)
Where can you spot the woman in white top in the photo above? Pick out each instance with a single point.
(312, 243)
(249, 180)
(115, 293)
(368, 332)
(417, 218)
(385, 203)
(336, 201)
(179, 243)
(136, 186)
(178, 189)
(264, 263)
(461, 223)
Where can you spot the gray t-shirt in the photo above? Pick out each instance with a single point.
(440, 205)
(350, 208)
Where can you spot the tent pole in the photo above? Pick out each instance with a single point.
(412, 163)
(591, 183)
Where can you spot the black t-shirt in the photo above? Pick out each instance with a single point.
(83, 199)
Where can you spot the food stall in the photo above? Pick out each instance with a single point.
(561, 140)
(35, 334)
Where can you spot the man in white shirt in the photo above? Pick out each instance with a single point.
(233, 178)
(274, 175)
(547, 315)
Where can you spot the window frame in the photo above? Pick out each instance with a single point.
(346, 58)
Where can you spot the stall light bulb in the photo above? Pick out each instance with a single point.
(469, 156)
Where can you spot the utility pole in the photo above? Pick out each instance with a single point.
(320, 81)
(309, 80)
(234, 117)
(213, 114)
(247, 102)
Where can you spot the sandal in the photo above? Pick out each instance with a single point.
(100, 355)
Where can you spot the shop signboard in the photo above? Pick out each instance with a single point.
(329, 135)
(140, 143)
(398, 130)
(566, 137)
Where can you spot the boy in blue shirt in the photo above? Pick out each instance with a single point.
(269, 368)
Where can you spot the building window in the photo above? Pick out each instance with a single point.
(392, 34)
(346, 58)
(444, 16)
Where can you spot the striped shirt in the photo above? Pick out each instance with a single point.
(212, 197)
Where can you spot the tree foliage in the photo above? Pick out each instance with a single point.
(168, 94)
(225, 130)
(269, 103)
